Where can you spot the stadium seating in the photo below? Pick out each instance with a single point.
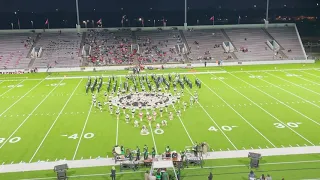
(58, 50)
(288, 39)
(14, 48)
(206, 43)
(159, 46)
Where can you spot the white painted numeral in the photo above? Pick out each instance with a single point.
(74, 136)
(226, 128)
(212, 128)
(15, 140)
(12, 140)
(88, 135)
(158, 131)
(290, 124)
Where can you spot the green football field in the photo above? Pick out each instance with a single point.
(50, 117)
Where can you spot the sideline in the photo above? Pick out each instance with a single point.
(207, 167)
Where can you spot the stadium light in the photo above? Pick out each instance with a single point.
(31, 24)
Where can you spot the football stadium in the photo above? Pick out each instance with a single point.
(169, 102)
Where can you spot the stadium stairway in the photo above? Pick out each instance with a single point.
(228, 38)
(272, 38)
(83, 40)
(184, 40)
(34, 45)
(134, 37)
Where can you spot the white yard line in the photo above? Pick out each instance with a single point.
(305, 79)
(21, 97)
(184, 127)
(45, 137)
(117, 130)
(270, 114)
(239, 114)
(310, 74)
(154, 141)
(190, 168)
(288, 92)
(293, 83)
(1, 82)
(215, 122)
(11, 88)
(84, 127)
(277, 100)
(29, 115)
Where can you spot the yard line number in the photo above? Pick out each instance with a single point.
(12, 140)
(256, 77)
(224, 128)
(76, 136)
(290, 124)
(217, 78)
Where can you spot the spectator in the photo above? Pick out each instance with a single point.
(251, 175)
(113, 173)
(268, 177)
(210, 176)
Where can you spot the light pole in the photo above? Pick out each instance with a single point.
(185, 14)
(267, 15)
(78, 20)
(31, 24)
(12, 26)
(92, 21)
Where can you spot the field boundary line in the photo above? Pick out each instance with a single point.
(11, 88)
(270, 114)
(21, 98)
(278, 100)
(310, 74)
(214, 120)
(238, 114)
(293, 83)
(192, 168)
(288, 92)
(82, 132)
(30, 114)
(45, 137)
(181, 121)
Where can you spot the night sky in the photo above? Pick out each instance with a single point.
(142, 5)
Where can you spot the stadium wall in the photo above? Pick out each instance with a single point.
(158, 66)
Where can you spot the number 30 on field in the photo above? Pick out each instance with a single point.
(290, 124)
(12, 140)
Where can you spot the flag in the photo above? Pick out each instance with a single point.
(100, 21)
(47, 22)
(212, 18)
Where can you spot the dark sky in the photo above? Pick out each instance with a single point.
(138, 5)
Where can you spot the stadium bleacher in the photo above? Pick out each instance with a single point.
(59, 50)
(14, 48)
(148, 46)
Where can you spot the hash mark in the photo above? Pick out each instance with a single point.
(228, 149)
(267, 147)
(259, 147)
(56, 159)
(298, 145)
(305, 145)
(12, 162)
(290, 145)
(220, 150)
(90, 157)
(2, 163)
(81, 158)
(47, 160)
(283, 146)
(252, 148)
(243, 148)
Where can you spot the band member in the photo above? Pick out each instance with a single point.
(118, 113)
(127, 118)
(153, 153)
(164, 123)
(141, 115)
(171, 116)
(132, 112)
(161, 111)
(136, 123)
(138, 154)
(158, 126)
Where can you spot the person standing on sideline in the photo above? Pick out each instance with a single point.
(113, 173)
(205, 64)
(146, 175)
(210, 176)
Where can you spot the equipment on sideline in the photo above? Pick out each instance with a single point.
(254, 159)
(61, 171)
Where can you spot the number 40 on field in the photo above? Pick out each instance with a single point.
(224, 128)
(76, 136)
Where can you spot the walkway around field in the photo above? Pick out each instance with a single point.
(36, 166)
